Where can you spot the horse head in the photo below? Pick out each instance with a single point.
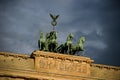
(41, 35)
(80, 42)
(70, 37)
(81, 39)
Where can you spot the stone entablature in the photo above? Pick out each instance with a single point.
(8, 54)
(63, 64)
(105, 66)
(38, 53)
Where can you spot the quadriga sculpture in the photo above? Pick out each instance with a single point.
(51, 44)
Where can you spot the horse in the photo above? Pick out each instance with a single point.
(78, 47)
(66, 47)
(41, 42)
(52, 44)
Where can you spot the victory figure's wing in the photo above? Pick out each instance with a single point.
(57, 16)
(51, 16)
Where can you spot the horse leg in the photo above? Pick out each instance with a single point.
(42, 46)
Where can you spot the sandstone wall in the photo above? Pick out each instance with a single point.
(53, 66)
(16, 61)
(105, 72)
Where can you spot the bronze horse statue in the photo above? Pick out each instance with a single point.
(66, 47)
(41, 42)
(52, 44)
(78, 47)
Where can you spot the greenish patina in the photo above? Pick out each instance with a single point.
(66, 47)
(41, 41)
(52, 44)
(49, 43)
(78, 47)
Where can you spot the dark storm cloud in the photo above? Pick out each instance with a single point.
(99, 22)
(110, 21)
(16, 27)
(22, 20)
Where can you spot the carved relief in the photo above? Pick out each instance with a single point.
(68, 66)
(42, 63)
(84, 68)
(50, 62)
(63, 65)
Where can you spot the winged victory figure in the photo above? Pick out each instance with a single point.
(54, 18)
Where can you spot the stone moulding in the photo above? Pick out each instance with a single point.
(33, 75)
(7, 54)
(38, 53)
(105, 66)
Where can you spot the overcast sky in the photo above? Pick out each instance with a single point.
(98, 20)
